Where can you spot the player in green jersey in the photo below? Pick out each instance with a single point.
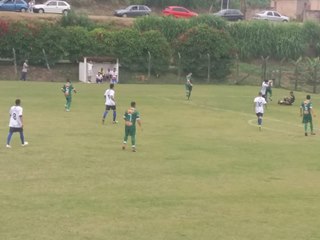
(306, 113)
(67, 89)
(188, 86)
(131, 116)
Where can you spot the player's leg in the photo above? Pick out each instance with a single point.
(9, 137)
(23, 142)
(105, 113)
(114, 117)
(311, 127)
(68, 103)
(125, 138)
(133, 139)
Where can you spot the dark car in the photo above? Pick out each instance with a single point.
(230, 14)
(13, 5)
(133, 11)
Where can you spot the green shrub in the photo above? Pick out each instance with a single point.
(197, 44)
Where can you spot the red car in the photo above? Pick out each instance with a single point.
(178, 12)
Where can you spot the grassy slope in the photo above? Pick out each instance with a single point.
(202, 170)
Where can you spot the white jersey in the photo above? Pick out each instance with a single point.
(15, 114)
(264, 87)
(259, 104)
(109, 95)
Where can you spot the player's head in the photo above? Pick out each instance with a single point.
(266, 80)
(18, 102)
(308, 97)
(68, 81)
(111, 85)
(260, 93)
(291, 92)
(133, 104)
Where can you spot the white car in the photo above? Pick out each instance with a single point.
(52, 6)
(271, 16)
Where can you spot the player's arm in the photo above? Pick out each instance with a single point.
(300, 111)
(21, 119)
(139, 123)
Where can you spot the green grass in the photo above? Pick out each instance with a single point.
(202, 169)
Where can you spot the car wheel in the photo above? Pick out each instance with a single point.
(23, 10)
(125, 15)
(284, 21)
(41, 11)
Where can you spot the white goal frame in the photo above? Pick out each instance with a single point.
(98, 63)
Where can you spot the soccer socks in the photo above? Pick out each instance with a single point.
(22, 137)
(259, 121)
(114, 116)
(9, 138)
(105, 114)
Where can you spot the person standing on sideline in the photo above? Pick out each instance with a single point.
(264, 87)
(16, 123)
(188, 86)
(269, 90)
(258, 106)
(68, 89)
(306, 113)
(131, 116)
(110, 103)
(90, 71)
(24, 71)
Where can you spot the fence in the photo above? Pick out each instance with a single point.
(299, 75)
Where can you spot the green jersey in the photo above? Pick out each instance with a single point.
(67, 89)
(306, 107)
(131, 116)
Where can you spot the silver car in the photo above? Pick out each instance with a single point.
(52, 6)
(271, 16)
(133, 11)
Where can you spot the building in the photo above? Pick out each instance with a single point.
(298, 9)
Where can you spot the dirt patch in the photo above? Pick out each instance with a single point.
(27, 17)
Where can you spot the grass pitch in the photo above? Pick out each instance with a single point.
(202, 169)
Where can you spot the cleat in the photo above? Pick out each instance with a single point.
(102, 121)
(25, 144)
(134, 150)
(306, 134)
(313, 133)
(115, 122)
(8, 146)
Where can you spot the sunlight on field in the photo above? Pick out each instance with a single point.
(202, 169)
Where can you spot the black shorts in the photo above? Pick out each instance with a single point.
(13, 129)
(108, 107)
(259, 114)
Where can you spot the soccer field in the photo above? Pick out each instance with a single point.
(202, 169)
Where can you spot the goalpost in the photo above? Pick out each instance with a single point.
(109, 66)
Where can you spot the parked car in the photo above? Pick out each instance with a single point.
(230, 14)
(178, 12)
(271, 16)
(52, 7)
(133, 11)
(13, 5)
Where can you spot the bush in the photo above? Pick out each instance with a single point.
(197, 44)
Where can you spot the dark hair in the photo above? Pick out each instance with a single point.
(68, 80)
(308, 97)
(18, 101)
(133, 104)
(111, 85)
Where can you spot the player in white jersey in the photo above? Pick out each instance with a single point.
(264, 87)
(110, 103)
(258, 106)
(16, 123)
